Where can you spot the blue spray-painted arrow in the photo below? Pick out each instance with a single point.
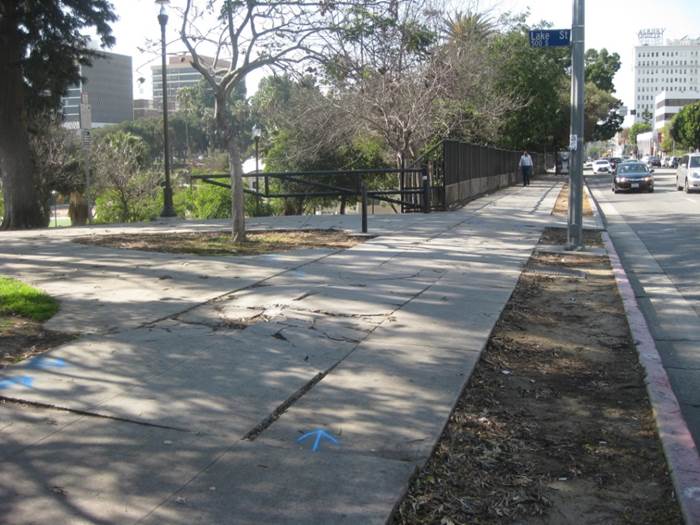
(46, 362)
(18, 380)
(320, 434)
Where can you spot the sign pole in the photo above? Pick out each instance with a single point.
(575, 223)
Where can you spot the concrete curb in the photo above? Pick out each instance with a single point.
(677, 442)
(597, 212)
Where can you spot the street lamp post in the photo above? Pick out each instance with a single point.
(168, 209)
(257, 133)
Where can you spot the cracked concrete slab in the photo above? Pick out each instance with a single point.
(389, 402)
(97, 471)
(256, 483)
(380, 364)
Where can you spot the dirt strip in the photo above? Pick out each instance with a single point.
(555, 424)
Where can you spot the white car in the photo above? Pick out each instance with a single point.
(688, 173)
(601, 166)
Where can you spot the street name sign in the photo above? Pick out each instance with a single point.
(550, 38)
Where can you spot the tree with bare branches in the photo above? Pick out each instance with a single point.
(244, 36)
(397, 76)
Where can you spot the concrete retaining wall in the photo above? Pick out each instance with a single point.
(469, 189)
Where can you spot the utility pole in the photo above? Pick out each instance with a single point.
(575, 224)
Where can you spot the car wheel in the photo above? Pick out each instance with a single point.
(678, 186)
(651, 190)
(686, 189)
(614, 189)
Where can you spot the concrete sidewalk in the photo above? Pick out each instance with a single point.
(187, 397)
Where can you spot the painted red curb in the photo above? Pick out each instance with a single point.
(679, 447)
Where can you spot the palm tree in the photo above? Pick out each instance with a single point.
(462, 27)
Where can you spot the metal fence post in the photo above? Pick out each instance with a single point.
(426, 189)
(363, 189)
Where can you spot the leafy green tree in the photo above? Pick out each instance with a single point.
(602, 118)
(636, 129)
(304, 132)
(149, 130)
(667, 140)
(600, 68)
(43, 44)
(538, 80)
(128, 192)
(686, 126)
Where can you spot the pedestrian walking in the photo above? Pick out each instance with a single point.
(526, 167)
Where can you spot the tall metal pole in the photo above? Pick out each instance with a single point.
(575, 226)
(257, 178)
(168, 209)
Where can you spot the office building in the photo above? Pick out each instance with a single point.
(108, 85)
(672, 67)
(667, 104)
(144, 108)
(180, 74)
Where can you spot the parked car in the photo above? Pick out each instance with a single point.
(673, 162)
(588, 165)
(633, 175)
(688, 172)
(654, 161)
(601, 166)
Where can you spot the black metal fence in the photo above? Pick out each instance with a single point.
(411, 193)
(448, 175)
(469, 170)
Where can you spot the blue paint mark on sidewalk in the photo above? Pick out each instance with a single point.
(16, 381)
(46, 362)
(319, 434)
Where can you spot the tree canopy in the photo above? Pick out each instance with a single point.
(43, 45)
(686, 126)
(600, 68)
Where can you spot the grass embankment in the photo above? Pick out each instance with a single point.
(22, 300)
(22, 310)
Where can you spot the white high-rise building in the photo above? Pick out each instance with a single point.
(673, 67)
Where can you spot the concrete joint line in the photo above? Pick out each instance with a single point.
(86, 413)
(258, 429)
(231, 292)
(679, 447)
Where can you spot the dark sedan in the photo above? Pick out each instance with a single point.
(632, 176)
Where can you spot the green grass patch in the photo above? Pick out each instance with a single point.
(17, 298)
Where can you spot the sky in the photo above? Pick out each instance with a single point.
(610, 24)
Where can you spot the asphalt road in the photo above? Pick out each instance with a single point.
(656, 235)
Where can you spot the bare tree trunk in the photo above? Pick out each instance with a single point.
(343, 203)
(22, 207)
(78, 209)
(237, 196)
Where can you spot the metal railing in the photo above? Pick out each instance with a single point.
(412, 194)
(448, 174)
